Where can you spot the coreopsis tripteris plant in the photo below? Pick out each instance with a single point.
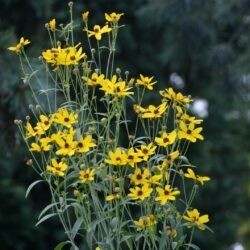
(107, 190)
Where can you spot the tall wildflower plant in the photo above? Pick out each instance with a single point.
(114, 183)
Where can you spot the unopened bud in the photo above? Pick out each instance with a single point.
(118, 70)
(91, 129)
(75, 71)
(70, 4)
(27, 118)
(16, 122)
(46, 25)
(103, 120)
(29, 162)
(76, 192)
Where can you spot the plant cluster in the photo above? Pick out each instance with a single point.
(114, 182)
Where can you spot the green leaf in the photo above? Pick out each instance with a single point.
(189, 245)
(174, 245)
(60, 245)
(76, 227)
(46, 209)
(46, 217)
(31, 186)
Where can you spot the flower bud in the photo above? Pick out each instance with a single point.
(16, 122)
(104, 120)
(76, 192)
(29, 162)
(118, 70)
(70, 4)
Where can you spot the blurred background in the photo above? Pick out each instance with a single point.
(199, 47)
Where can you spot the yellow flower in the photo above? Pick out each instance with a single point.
(140, 193)
(62, 116)
(146, 150)
(152, 111)
(146, 82)
(113, 196)
(30, 131)
(50, 56)
(67, 145)
(115, 88)
(192, 175)
(166, 194)
(146, 222)
(175, 97)
(42, 145)
(52, 24)
(87, 175)
(98, 31)
(193, 216)
(113, 17)
(189, 132)
(66, 56)
(170, 159)
(70, 55)
(154, 179)
(140, 176)
(44, 123)
(94, 80)
(23, 42)
(138, 109)
(166, 139)
(117, 158)
(85, 16)
(190, 119)
(57, 168)
(84, 144)
(133, 157)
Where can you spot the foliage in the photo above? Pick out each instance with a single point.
(100, 182)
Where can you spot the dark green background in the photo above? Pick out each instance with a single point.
(206, 42)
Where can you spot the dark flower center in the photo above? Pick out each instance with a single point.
(138, 177)
(139, 193)
(86, 176)
(165, 140)
(166, 192)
